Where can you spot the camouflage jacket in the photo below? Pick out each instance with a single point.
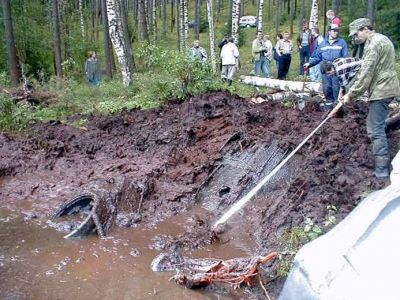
(377, 75)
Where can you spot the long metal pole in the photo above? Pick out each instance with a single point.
(238, 205)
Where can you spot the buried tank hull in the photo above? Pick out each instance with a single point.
(104, 198)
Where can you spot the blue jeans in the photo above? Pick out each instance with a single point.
(262, 66)
(315, 73)
(304, 57)
(377, 114)
(331, 87)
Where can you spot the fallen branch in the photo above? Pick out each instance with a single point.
(283, 85)
(279, 96)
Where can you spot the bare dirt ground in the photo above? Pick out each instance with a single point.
(176, 152)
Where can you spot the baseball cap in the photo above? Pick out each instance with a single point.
(358, 24)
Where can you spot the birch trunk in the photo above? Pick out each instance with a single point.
(178, 24)
(324, 13)
(283, 85)
(235, 20)
(280, 96)
(185, 21)
(10, 43)
(260, 15)
(117, 38)
(211, 33)
(183, 24)
(56, 38)
(154, 19)
(314, 15)
(82, 20)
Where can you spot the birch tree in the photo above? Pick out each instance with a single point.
(154, 19)
(235, 20)
(80, 8)
(178, 24)
(185, 21)
(56, 37)
(184, 26)
(10, 43)
(197, 19)
(260, 15)
(117, 38)
(314, 15)
(211, 33)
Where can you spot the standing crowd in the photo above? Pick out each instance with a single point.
(344, 79)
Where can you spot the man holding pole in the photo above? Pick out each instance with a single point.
(378, 77)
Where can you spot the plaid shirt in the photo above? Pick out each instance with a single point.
(346, 68)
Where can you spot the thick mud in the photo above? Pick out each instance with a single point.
(197, 157)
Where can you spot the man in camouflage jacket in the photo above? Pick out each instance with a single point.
(378, 77)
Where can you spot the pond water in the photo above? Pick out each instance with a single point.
(36, 262)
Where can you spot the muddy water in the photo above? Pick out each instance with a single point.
(36, 262)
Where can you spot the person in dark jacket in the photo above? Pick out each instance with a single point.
(330, 49)
(92, 69)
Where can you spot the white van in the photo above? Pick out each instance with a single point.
(248, 21)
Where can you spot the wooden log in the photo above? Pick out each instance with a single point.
(280, 96)
(283, 85)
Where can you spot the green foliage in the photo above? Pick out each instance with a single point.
(5, 79)
(173, 74)
(13, 117)
(389, 23)
(294, 238)
(290, 242)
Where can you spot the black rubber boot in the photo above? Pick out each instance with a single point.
(382, 166)
(229, 81)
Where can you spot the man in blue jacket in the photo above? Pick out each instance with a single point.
(330, 49)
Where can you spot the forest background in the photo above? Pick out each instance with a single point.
(142, 46)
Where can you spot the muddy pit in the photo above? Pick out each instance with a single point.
(185, 163)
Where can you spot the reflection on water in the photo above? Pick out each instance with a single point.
(38, 263)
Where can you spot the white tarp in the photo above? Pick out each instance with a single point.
(359, 259)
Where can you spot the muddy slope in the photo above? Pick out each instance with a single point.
(173, 151)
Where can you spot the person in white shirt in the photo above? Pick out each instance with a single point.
(284, 49)
(230, 61)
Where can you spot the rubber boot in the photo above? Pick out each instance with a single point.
(381, 166)
(229, 81)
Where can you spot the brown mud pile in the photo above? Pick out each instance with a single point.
(175, 151)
